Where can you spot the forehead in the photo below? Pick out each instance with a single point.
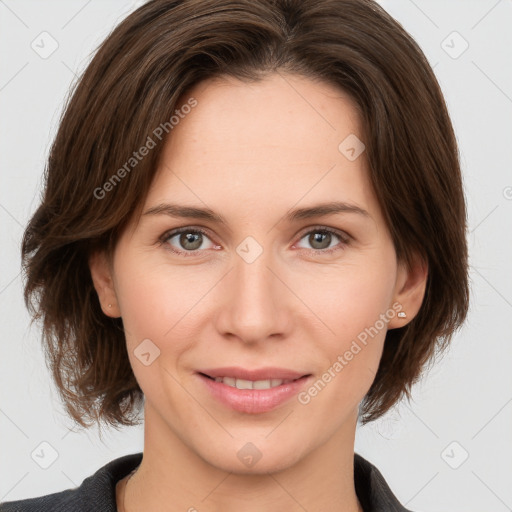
(289, 113)
(272, 143)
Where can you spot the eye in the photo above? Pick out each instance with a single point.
(187, 240)
(320, 239)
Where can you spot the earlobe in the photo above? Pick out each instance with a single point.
(103, 282)
(410, 291)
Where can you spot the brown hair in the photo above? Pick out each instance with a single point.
(132, 86)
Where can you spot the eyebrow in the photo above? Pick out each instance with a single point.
(193, 212)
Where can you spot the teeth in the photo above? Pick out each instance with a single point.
(230, 381)
(265, 384)
(251, 384)
(243, 384)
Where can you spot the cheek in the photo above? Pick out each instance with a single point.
(158, 301)
(355, 304)
(154, 302)
(349, 298)
(140, 303)
(139, 288)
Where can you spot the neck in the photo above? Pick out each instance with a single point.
(173, 476)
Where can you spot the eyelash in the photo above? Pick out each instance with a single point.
(344, 239)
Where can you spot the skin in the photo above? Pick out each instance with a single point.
(251, 152)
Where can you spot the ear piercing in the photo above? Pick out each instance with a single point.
(110, 305)
(401, 314)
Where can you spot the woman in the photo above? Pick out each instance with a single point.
(244, 230)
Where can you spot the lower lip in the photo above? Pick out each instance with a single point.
(253, 401)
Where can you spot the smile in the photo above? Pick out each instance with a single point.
(259, 394)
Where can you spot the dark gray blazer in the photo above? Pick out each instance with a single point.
(97, 493)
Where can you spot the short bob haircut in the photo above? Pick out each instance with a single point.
(131, 88)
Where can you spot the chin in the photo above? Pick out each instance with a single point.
(262, 467)
(247, 458)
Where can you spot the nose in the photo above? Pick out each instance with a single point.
(254, 301)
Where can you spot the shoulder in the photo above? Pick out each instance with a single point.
(96, 493)
(372, 489)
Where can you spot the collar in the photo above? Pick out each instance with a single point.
(98, 491)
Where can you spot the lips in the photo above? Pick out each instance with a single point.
(253, 391)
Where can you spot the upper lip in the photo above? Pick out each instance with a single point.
(256, 374)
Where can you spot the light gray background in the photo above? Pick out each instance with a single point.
(466, 398)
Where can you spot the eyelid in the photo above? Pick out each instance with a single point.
(343, 235)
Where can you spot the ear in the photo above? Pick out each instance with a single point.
(409, 290)
(102, 278)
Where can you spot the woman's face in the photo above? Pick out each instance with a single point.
(272, 289)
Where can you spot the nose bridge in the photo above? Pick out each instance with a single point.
(256, 303)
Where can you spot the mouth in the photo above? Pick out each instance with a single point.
(252, 391)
